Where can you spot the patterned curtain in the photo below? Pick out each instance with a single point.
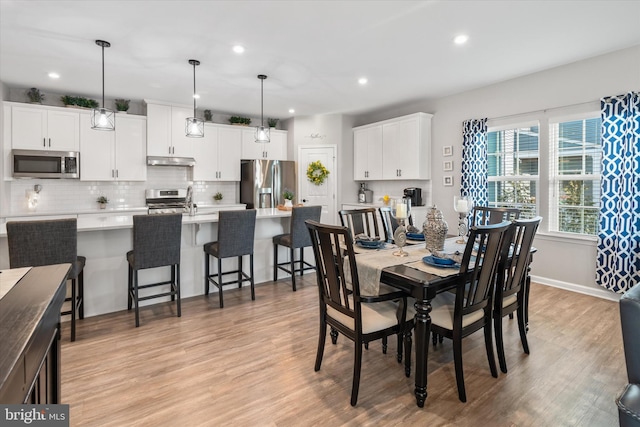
(474, 161)
(618, 261)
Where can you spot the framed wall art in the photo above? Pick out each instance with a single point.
(447, 150)
(447, 165)
(447, 181)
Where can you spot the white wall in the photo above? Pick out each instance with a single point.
(568, 263)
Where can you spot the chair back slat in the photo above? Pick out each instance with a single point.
(361, 221)
(515, 255)
(332, 247)
(478, 268)
(45, 242)
(485, 215)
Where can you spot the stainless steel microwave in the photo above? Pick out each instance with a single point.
(45, 164)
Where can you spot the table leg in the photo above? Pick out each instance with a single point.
(423, 329)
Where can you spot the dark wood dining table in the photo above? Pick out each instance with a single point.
(424, 286)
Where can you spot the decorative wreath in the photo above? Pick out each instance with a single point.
(317, 173)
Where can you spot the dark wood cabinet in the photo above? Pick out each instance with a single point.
(30, 336)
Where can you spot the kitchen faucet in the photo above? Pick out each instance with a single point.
(189, 201)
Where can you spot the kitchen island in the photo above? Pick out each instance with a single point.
(105, 239)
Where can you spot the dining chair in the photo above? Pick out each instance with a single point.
(628, 401)
(361, 221)
(511, 281)
(486, 215)
(47, 242)
(156, 243)
(342, 307)
(236, 235)
(297, 238)
(389, 223)
(460, 314)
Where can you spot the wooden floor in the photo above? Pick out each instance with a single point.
(251, 364)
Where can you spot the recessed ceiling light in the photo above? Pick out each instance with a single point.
(291, 110)
(363, 80)
(461, 39)
(196, 96)
(54, 75)
(238, 49)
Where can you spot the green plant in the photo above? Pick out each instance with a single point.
(240, 120)
(272, 122)
(208, 116)
(68, 100)
(122, 104)
(35, 95)
(80, 101)
(288, 194)
(102, 200)
(217, 196)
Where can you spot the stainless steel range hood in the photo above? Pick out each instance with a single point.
(170, 161)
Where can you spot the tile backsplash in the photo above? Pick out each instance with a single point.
(70, 195)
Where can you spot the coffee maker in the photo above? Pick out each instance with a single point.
(415, 194)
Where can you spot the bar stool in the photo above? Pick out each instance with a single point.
(156, 243)
(297, 238)
(46, 242)
(236, 231)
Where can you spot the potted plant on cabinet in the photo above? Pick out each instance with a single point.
(122, 105)
(272, 122)
(288, 198)
(217, 197)
(102, 201)
(208, 116)
(237, 120)
(34, 95)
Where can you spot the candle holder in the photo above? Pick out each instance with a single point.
(462, 205)
(400, 210)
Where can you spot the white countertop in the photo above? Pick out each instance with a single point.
(109, 221)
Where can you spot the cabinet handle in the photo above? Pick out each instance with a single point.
(44, 142)
(116, 173)
(112, 174)
(49, 142)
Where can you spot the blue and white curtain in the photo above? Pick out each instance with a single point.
(618, 259)
(474, 161)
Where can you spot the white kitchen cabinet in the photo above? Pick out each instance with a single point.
(367, 153)
(402, 145)
(166, 131)
(276, 149)
(114, 156)
(218, 153)
(45, 128)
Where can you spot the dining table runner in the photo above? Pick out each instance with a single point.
(9, 278)
(371, 262)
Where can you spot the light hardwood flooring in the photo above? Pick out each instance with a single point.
(251, 364)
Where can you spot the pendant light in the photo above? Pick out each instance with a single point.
(103, 118)
(194, 127)
(262, 133)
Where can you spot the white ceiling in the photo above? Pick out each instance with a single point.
(312, 51)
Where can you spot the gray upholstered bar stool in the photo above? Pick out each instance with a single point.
(156, 243)
(236, 231)
(46, 242)
(297, 238)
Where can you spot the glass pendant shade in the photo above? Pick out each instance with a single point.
(262, 132)
(194, 127)
(103, 118)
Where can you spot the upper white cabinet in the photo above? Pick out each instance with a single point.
(218, 153)
(166, 131)
(402, 149)
(276, 149)
(367, 153)
(114, 156)
(44, 128)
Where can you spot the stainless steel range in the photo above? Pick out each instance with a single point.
(166, 201)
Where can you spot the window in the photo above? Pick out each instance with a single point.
(513, 165)
(575, 175)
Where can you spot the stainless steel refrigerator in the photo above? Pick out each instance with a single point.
(263, 182)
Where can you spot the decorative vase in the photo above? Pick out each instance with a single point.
(288, 203)
(435, 230)
(103, 205)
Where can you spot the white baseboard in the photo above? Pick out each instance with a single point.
(595, 292)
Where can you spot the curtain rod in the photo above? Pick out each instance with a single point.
(542, 111)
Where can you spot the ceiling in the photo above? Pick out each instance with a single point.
(313, 52)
